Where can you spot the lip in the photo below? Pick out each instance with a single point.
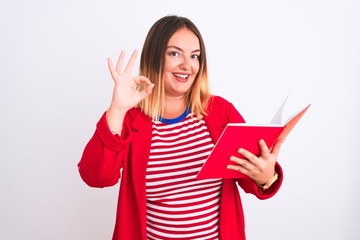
(181, 77)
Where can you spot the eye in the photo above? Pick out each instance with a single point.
(195, 56)
(174, 54)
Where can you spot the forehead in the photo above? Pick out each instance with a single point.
(185, 39)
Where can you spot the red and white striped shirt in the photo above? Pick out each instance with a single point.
(178, 206)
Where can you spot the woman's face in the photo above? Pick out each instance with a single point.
(182, 62)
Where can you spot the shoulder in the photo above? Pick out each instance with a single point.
(137, 118)
(220, 107)
(218, 103)
(219, 99)
(220, 112)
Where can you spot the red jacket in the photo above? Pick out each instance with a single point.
(106, 154)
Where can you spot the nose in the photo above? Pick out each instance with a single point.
(185, 64)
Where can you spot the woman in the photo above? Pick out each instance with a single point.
(157, 133)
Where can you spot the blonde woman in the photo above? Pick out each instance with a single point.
(157, 133)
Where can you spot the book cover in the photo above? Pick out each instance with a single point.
(247, 136)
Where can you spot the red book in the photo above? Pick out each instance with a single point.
(247, 136)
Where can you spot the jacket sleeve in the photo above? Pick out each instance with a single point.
(102, 159)
(249, 185)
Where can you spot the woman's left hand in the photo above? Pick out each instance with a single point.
(261, 168)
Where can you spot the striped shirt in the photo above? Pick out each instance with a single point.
(178, 206)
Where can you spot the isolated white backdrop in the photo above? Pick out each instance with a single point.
(54, 86)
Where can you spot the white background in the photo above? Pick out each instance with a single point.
(54, 86)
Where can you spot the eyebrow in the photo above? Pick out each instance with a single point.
(180, 49)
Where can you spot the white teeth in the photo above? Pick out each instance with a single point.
(185, 76)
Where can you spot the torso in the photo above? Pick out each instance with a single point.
(178, 205)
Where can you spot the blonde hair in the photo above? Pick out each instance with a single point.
(152, 63)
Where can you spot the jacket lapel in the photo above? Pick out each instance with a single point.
(140, 150)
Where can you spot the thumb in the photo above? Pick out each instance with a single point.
(148, 88)
(147, 91)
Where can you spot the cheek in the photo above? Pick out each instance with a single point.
(196, 67)
(196, 64)
(170, 64)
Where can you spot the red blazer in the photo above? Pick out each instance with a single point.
(107, 158)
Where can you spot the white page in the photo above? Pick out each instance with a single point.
(277, 117)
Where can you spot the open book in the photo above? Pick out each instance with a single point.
(247, 136)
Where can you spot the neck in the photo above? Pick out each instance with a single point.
(174, 107)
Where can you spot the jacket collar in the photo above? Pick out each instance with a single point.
(140, 121)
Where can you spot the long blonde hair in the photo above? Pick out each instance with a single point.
(152, 64)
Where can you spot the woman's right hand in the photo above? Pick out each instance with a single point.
(125, 94)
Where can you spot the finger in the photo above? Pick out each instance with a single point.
(130, 65)
(149, 89)
(265, 152)
(277, 146)
(238, 168)
(142, 79)
(111, 68)
(149, 85)
(243, 163)
(248, 155)
(120, 62)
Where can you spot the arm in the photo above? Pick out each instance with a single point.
(125, 96)
(260, 170)
(102, 158)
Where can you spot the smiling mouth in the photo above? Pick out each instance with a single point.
(181, 77)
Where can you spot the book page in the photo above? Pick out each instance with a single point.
(277, 117)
